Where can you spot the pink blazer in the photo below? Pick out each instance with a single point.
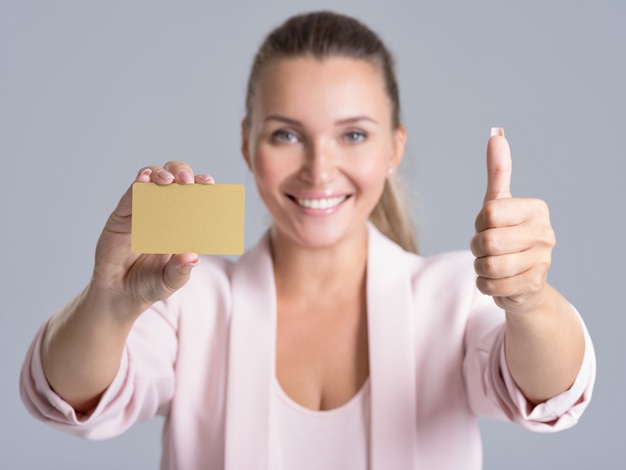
(205, 359)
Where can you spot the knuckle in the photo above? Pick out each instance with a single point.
(549, 237)
(490, 242)
(482, 284)
(475, 245)
(479, 221)
(478, 266)
(490, 213)
(171, 164)
(535, 284)
(489, 286)
(542, 207)
(490, 265)
(545, 237)
(545, 262)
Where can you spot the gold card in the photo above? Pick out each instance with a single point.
(179, 218)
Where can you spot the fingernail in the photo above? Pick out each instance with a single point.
(165, 175)
(206, 179)
(185, 177)
(497, 131)
(146, 172)
(193, 264)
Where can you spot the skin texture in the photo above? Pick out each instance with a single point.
(320, 129)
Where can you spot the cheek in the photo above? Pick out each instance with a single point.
(269, 170)
(371, 170)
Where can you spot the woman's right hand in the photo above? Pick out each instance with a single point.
(134, 281)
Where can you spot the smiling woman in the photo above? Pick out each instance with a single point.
(330, 344)
(321, 131)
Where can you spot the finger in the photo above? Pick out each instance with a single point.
(154, 174)
(508, 240)
(514, 289)
(501, 213)
(124, 207)
(503, 266)
(183, 174)
(512, 212)
(498, 166)
(502, 241)
(204, 179)
(144, 175)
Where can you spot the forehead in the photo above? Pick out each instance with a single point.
(335, 87)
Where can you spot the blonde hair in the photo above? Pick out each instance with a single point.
(323, 34)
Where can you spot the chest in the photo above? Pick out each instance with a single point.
(322, 357)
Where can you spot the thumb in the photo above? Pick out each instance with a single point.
(178, 269)
(498, 166)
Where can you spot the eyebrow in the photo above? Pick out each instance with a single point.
(295, 122)
(355, 119)
(278, 117)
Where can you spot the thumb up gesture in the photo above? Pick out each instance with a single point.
(514, 238)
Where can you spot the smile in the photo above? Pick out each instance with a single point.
(320, 203)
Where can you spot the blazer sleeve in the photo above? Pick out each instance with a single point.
(490, 387)
(142, 387)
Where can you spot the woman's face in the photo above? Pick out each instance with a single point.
(320, 145)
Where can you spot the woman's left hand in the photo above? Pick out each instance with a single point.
(514, 238)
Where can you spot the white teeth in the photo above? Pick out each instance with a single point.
(321, 204)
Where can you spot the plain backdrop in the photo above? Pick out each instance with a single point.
(92, 91)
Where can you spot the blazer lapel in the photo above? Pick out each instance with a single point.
(393, 432)
(250, 441)
(251, 433)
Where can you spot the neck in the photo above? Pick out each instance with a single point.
(313, 272)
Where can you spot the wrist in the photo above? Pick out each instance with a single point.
(110, 305)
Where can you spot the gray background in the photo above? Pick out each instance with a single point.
(90, 92)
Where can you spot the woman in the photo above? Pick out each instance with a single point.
(330, 344)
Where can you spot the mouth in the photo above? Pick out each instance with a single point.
(319, 203)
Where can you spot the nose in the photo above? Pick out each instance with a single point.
(320, 164)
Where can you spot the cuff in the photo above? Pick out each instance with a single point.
(561, 411)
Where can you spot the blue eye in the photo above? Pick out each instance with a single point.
(284, 136)
(355, 136)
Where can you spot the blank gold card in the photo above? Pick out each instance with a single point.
(179, 218)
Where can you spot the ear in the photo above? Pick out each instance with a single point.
(399, 142)
(245, 141)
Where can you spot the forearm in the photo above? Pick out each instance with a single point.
(544, 347)
(82, 348)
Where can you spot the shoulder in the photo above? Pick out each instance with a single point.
(446, 275)
(446, 266)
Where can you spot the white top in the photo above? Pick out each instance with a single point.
(330, 440)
